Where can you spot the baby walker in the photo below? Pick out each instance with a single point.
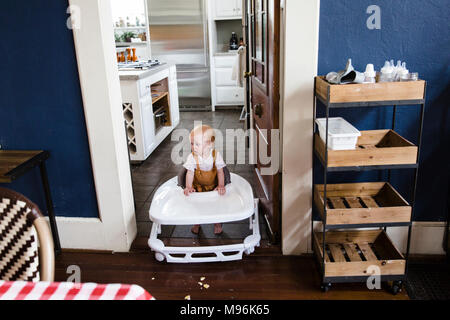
(171, 207)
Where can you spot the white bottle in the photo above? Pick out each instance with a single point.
(369, 74)
(387, 72)
(397, 71)
(404, 73)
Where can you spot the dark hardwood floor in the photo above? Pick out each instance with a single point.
(266, 274)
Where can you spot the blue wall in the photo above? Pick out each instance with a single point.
(41, 105)
(416, 32)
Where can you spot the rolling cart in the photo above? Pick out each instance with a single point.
(346, 250)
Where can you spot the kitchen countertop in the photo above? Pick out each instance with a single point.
(218, 54)
(141, 74)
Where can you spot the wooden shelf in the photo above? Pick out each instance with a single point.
(130, 27)
(361, 204)
(374, 148)
(156, 96)
(351, 253)
(380, 93)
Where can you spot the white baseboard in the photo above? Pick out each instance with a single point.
(89, 234)
(426, 237)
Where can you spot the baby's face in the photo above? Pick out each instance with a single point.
(200, 144)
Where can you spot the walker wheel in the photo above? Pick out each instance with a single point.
(159, 257)
(325, 287)
(249, 251)
(396, 287)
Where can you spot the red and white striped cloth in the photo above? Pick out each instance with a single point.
(23, 290)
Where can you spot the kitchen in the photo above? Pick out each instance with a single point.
(178, 56)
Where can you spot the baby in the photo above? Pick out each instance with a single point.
(204, 167)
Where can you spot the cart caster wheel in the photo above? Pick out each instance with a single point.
(325, 287)
(159, 257)
(396, 287)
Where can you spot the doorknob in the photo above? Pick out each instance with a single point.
(258, 110)
(248, 74)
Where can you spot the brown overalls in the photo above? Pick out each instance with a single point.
(205, 180)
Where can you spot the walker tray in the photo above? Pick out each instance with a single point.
(171, 207)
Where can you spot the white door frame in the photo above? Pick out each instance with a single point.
(300, 46)
(115, 229)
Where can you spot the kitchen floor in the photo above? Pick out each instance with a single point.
(158, 168)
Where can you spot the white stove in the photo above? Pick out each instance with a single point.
(139, 65)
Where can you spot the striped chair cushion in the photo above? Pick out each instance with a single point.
(19, 255)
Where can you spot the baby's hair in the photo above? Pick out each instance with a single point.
(204, 130)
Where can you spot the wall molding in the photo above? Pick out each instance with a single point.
(102, 101)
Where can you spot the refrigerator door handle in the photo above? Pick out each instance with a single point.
(205, 33)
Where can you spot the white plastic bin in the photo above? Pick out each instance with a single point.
(341, 134)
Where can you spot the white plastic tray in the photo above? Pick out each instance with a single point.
(341, 134)
(171, 207)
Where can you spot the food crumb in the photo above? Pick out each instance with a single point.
(202, 278)
(188, 297)
(153, 278)
(206, 286)
(200, 283)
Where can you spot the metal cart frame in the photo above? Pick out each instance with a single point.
(397, 279)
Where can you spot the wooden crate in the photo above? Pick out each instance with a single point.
(362, 203)
(367, 92)
(351, 253)
(374, 147)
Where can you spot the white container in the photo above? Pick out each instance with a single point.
(341, 134)
(387, 72)
(369, 74)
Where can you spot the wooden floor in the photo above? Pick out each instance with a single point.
(266, 274)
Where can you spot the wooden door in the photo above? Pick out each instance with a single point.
(264, 51)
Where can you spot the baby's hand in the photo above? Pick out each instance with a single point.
(188, 190)
(221, 190)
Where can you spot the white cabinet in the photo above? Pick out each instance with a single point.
(228, 9)
(144, 131)
(223, 77)
(224, 61)
(239, 8)
(226, 90)
(230, 95)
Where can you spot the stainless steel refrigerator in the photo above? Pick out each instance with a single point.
(179, 34)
